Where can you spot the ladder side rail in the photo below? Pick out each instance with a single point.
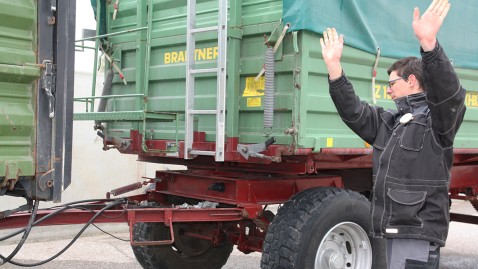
(190, 66)
(221, 81)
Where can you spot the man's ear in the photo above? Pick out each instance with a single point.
(412, 79)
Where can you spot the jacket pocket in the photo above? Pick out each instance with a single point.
(413, 136)
(404, 207)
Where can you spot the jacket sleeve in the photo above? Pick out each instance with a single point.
(358, 115)
(445, 95)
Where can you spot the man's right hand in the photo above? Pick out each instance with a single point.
(332, 46)
(427, 26)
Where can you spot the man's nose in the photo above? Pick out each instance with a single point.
(389, 90)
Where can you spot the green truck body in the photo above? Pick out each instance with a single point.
(152, 56)
(35, 145)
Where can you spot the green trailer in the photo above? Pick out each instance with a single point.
(36, 97)
(164, 104)
(185, 84)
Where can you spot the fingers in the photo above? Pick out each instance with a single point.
(439, 8)
(416, 14)
(445, 11)
(326, 37)
(330, 36)
(432, 6)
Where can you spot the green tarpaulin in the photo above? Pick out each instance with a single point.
(387, 24)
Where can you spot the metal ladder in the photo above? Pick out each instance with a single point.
(191, 72)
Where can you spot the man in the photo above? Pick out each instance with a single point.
(413, 147)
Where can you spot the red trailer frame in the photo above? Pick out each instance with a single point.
(242, 191)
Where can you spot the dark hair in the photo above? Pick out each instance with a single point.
(408, 66)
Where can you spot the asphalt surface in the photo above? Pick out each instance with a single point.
(94, 251)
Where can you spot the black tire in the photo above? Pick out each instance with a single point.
(186, 252)
(308, 227)
(474, 203)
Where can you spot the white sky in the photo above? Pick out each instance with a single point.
(84, 20)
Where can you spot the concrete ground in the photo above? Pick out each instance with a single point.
(96, 250)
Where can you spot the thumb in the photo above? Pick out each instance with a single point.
(416, 15)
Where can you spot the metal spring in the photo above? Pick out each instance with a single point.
(269, 89)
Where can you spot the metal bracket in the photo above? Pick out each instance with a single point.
(253, 150)
(48, 85)
(46, 180)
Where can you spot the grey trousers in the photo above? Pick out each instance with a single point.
(412, 254)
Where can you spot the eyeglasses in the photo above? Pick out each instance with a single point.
(393, 81)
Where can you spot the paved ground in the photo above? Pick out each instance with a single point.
(102, 251)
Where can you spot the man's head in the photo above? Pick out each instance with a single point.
(405, 77)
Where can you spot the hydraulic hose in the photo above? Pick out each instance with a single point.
(25, 235)
(106, 91)
(269, 90)
(118, 202)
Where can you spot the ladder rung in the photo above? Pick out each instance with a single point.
(205, 29)
(205, 70)
(202, 152)
(202, 112)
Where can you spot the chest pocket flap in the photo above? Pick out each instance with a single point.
(414, 133)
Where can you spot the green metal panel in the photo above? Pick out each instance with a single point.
(302, 102)
(17, 88)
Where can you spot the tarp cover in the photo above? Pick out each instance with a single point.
(387, 24)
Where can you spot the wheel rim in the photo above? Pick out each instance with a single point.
(345, 246)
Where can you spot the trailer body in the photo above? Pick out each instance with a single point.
(184, 86)
(36, 97)
(150, 113)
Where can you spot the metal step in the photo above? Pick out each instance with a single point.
(205, 29)
(204, 71)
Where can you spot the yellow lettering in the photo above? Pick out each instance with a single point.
(181, 58)
(209, 53)
(386, 95)
(377, 91)
(167, 58)
(174, 57)
(200, 54)
(473, 100)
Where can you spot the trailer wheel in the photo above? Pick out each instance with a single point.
(321, 228)
(186, 252)
(475, 204)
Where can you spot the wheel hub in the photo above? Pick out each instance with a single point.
(345, 246)
(336, 261)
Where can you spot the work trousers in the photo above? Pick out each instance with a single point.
(412, 254)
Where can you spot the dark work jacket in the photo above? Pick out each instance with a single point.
(411, 161)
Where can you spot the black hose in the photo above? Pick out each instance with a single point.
(106, 91)
(25, 235)
(64, 207)
(72, 241)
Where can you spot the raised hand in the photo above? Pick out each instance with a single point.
(427, 26)
(332, 46)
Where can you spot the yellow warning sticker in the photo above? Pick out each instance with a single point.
(253, 87)
(471, 99)
(330, 142)
(254, 102)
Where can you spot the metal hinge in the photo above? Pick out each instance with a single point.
(48, 85)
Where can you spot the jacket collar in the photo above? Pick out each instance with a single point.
(409, 103)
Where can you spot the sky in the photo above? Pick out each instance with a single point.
(84, 20)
